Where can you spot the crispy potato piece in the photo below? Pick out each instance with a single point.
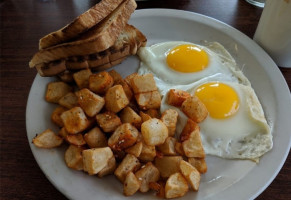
(94, 160)
(148, 153)
(127, 89)
(144, 116)
(63, 133)
(128, 164)
(191, 174)
(168, 147)
(115, 99)
(108, 121)
(148, 100)
(56, 116)
(194, 109)
(123, 137)
(109, 168)
(154, 132)
(75, 120)
(69, 101)
(179, 148)
(176, 186)
(199, 164)
(73, 157)
(82, 78)
(75, 139)
(56, 90)
(90, 102)
(95, 138)
(143, 83)
(47, 139)
(177, 97)
(154, 113)
(170, 118)
(115, 75)
(131, 184)
(128, 115)
(135, 149)
(129, 77)
(159, 187)
(148, 173)
(191, 141)
(168, 165)
(66, 76)
(100, 82)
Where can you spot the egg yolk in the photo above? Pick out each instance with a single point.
(187, 58)
(220, 99)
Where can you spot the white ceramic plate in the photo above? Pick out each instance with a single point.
(225, 179)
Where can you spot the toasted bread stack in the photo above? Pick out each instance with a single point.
(98, 39)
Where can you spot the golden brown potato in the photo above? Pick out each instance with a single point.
(159, 188)
(56, 116)
(191, 174)
(82, 78)
(131, 184)
(148, 100)
(90, 102)
(154, 113)
(179, 148)
(94, 160)
(100, 82)
(128, 164)
(75, 120)
(168, 165)
(176, 186)
(176, 97)
(143, 83)
(135, 149)
(148, 153)
(123, 137)
(75, 139)
(115, 75)
(109, 168)
(148, 173)
(187, 130)
(95, 138)
(69, 101)
(129, 77)
(108, 121)
(128, 115)
(194, 109)
(63, 133)
(154, 132)
(199, 164)
(66, 76)
(56, 90)
(73, 157)
(115, 99)
(47, 139)
(168, 147)
(144, 116)
(170, 118)
(127, 89)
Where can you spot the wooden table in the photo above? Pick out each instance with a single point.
(22, 24)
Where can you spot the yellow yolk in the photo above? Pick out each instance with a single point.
(187, 58)
(220, 99)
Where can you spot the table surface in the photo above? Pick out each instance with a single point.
(22, 24)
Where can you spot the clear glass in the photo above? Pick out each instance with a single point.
(259, 3)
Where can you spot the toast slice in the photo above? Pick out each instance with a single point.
(81, 24)
(126, 44)
(99, 38)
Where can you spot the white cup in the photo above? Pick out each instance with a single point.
(274, 31)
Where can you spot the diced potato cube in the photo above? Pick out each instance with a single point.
(75, 139)
(192, 144)
(95, 138)
(148, 100)
(154, 132)
(148, 153)
(56, 90)
(109, 168)
(143, 83)
(144, 116)
(128, 164)
(66, 76)
(168, 165)
(135, 149)
(176, 97)
(82, 78)
(176, 186)
(194, 109)
(47, 139)
(199, 164)
(63, 133)
(100, 82)
(170, 118)
(115, 75)
(56, 116)
(179, 148)
(148, 173)
(115, 99)
(90, 102)
(127, 89)
(69, 101)
(191, 174)
(75, 120)
(128, 115)
(154, 113)
(94, 160)
(168, 147)
(108, 121)
(131, 184)
(73, 157)
(159, 188)
(129, 77)
(123, 137)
